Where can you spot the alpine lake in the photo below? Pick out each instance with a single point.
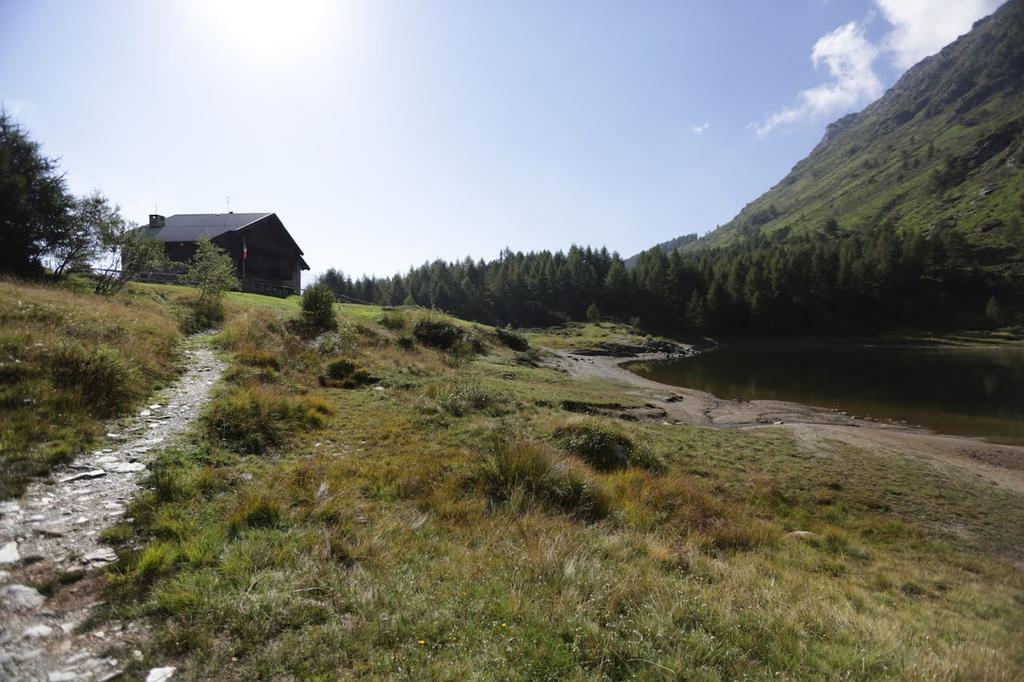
(968, 391)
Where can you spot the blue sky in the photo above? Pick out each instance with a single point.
(386, 133)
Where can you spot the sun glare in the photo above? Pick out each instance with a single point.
(268, 27)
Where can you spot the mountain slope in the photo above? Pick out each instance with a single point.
(942, 150)
(671, 245)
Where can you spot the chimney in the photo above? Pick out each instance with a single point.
(157, 220)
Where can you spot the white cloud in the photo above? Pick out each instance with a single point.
(701, 129)
(919, 28)
(849, 57)
(923, 27)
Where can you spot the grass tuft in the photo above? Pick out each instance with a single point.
(257, 418)
(521, 472)
(603, 446)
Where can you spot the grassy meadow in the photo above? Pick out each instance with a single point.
(361, 502)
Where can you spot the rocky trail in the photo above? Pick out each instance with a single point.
(51, 556)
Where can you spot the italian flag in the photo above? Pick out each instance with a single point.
(245, 250)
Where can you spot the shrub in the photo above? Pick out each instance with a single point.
(318, 307)
(603, 447)
(211, 270)
(534, 471)
(202, 313)
(512, 340)
(345, 374)
(437, 333)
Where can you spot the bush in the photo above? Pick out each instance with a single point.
(603, 447)
(437, 333)
(202, 313)
(318, 307)
(512, 340)
(533, 470)
(345, 374)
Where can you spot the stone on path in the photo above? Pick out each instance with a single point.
(160, 674)
(40, 630)
(23, 596)
(54, 531)
(103, 555)
(9, 553)
(93, 473)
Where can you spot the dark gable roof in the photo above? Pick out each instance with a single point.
(189, 227)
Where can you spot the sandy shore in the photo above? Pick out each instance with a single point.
(813, 427)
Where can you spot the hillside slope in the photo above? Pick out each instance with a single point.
(941, 150)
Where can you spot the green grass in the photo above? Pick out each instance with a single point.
(68, 361)
(399, 536)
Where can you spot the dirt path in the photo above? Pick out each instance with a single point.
(50, 540)
(1002, 465)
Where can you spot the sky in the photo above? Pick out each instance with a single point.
(386, 133)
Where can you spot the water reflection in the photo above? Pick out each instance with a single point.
(967, 391)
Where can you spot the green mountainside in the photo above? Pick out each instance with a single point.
(942, 150)
(668, 247)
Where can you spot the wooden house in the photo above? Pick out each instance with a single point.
(267, 258)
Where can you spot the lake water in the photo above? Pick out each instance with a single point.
(965, 391)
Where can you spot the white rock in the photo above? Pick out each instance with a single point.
(62, 676)
(102, 555)
(145, 413)
(94, 473)
(40, 630)
(24, 596)
(9, 553)
(160, 674)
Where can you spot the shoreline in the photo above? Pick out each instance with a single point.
(813, 427)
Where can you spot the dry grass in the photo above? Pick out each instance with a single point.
(67, 361)
(400, 537)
